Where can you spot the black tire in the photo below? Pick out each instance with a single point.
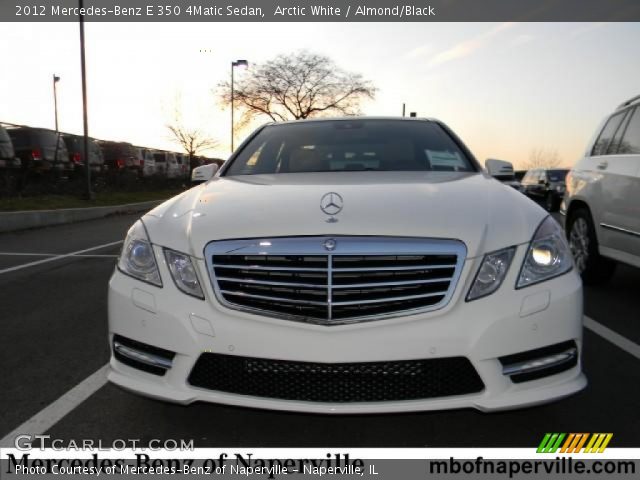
(581, 235)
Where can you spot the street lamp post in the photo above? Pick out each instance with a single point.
(237, 63)
(85, 122)
(56, 79)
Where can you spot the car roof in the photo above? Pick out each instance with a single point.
(22, 129)
(355, 117)
(631, 101)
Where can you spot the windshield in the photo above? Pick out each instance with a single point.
(557, 175)
(350, 145)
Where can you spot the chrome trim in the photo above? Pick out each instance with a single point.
(383, 269)
(329, 284)
(521, 367)
(260, 267)
(392, 299)
(142, 357)
(386, 284)
(620, 229)
(276, 283)
(346, 246)
(269, 297)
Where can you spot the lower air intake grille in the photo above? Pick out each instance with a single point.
(336, 382)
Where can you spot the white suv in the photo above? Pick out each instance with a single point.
(602, 201)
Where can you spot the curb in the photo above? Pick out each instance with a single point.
(12, 221)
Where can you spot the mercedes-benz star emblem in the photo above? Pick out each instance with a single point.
(331, 203)
(329, 244)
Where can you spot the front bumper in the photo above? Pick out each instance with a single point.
(503, 324)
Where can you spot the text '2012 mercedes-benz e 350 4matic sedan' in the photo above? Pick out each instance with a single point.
(348, 266)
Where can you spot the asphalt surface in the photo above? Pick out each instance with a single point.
(54, 329)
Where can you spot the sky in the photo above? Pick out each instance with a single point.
(505, 88)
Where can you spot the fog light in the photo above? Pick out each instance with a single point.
(539, 363)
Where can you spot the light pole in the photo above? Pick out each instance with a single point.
(56, 79)
(237, 63)
(85, 122)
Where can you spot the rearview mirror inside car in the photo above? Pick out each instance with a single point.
(203, 173)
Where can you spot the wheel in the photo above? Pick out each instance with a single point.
(551, 202)
(592, 267)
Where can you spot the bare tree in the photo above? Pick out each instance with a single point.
(297, 86)
(542, 158)
(192, 140)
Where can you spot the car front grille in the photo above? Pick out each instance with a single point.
(336, 382)
(335, 280)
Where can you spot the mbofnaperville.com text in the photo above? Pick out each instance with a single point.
(237, 464)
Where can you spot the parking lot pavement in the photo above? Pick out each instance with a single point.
(54, 313)
(54, 337)
(61, 239)
(617, 304)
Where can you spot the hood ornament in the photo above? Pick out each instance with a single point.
(331, 203)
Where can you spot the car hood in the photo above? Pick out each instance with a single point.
(472, 207)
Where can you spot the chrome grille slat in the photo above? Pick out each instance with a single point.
(275, 299)
(382, 269)
(392, 299)
(260, 267)
(363, 279)
(267, 282)
(387, 284)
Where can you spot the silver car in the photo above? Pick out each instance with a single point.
(602, 201)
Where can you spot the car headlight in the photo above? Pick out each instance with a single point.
(493, 269)
(137, 258)
(548, 255)
(183, 273)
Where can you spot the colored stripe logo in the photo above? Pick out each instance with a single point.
(574, 442)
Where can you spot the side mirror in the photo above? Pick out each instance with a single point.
(500, 169)
(203, 173)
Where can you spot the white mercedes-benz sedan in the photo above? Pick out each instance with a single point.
(348, 266)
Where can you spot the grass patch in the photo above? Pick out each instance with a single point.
(54, 202)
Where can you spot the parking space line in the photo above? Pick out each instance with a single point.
(52, 414)
(613, 337)
(59, 257)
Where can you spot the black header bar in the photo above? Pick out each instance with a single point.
(321, 10)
